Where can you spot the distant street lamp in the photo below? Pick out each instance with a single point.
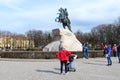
(105, 37)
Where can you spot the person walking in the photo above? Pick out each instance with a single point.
(108, 52)
(85, 51)
(114, 49)
(118, 52)
(63, 55)
(60, 46)
(103, 46)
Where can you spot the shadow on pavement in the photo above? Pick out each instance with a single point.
(47, 71)
(94, 63)
(99, 61)
(57, 68)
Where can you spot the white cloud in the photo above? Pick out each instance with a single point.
(12, 4)
(26, 14)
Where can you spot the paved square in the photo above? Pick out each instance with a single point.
(40, 69)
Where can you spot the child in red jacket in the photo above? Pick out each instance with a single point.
(63, 57)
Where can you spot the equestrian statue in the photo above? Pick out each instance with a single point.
(63, 18)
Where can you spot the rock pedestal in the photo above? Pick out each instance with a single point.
(69, 41)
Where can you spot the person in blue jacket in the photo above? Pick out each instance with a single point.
(60, 46)
(108, 52)
(85, 51)
(118, 52)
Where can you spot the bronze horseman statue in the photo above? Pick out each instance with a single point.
(63, 18)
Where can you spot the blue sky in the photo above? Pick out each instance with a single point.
(19, 16)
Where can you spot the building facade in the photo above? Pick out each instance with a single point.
(13, 42)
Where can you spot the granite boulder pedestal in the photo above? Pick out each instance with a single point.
(69, 41)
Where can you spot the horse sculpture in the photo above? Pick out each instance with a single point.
(63, 18)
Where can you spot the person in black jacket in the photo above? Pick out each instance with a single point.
(118, 52)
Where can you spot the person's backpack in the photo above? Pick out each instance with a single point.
(71, 58)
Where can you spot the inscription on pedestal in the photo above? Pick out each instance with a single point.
(56, 34)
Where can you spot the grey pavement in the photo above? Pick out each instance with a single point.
(41, 69)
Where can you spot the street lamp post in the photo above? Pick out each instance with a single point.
(105, 37)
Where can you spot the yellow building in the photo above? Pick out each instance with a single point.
(15, 42)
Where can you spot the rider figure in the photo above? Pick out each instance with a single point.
(63, 18)
(62, 13)
(66, 14)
